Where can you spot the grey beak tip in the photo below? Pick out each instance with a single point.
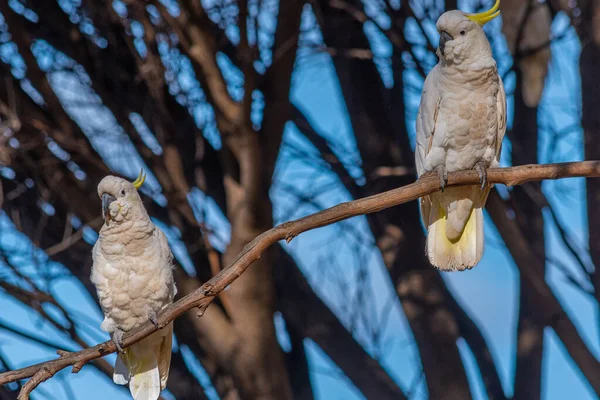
(444, 37)
(106, 200)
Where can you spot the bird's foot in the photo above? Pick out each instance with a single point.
(152, 317)
(443, 175)
(482, 172)
(117, 338)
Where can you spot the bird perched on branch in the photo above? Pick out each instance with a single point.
(133, 275)
(460, 126)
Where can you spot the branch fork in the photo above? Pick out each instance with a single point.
(202, 297)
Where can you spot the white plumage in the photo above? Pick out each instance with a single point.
(460, 126)
(133, 275)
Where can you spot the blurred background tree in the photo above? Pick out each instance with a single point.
(250, 113)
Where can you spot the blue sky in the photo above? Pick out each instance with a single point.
(335, 258)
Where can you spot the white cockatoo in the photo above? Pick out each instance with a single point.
(460, 126)
(133, 275)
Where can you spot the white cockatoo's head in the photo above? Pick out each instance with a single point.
(120, 198)
(462, 39)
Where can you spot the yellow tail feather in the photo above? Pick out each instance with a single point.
(458, 255)
(145, 365)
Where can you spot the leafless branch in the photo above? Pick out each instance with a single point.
(202, 297)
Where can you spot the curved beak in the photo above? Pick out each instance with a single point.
(106, 200)
(444, 37)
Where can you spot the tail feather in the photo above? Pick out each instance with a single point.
(121, 372)
(450, 248)
(459, 212)
(145, 379)
(145, 365)
(163, 355)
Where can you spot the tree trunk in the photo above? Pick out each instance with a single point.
(590, 91)
(381, 143)
(530, 336)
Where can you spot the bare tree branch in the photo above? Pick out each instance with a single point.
(202, 297)
(548, 309)
(307, 315)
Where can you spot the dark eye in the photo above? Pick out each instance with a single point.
(463, 32)
(122, 192)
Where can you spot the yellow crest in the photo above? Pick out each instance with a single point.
(139, 180)
(485, 17)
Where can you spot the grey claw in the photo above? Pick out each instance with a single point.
(443, 175)
(117, 338)
(152, 318)
(482, 172)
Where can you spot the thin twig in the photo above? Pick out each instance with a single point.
(69, 240)
(203, 296)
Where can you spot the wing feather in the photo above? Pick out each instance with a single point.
(426, 119)
(501, 107)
